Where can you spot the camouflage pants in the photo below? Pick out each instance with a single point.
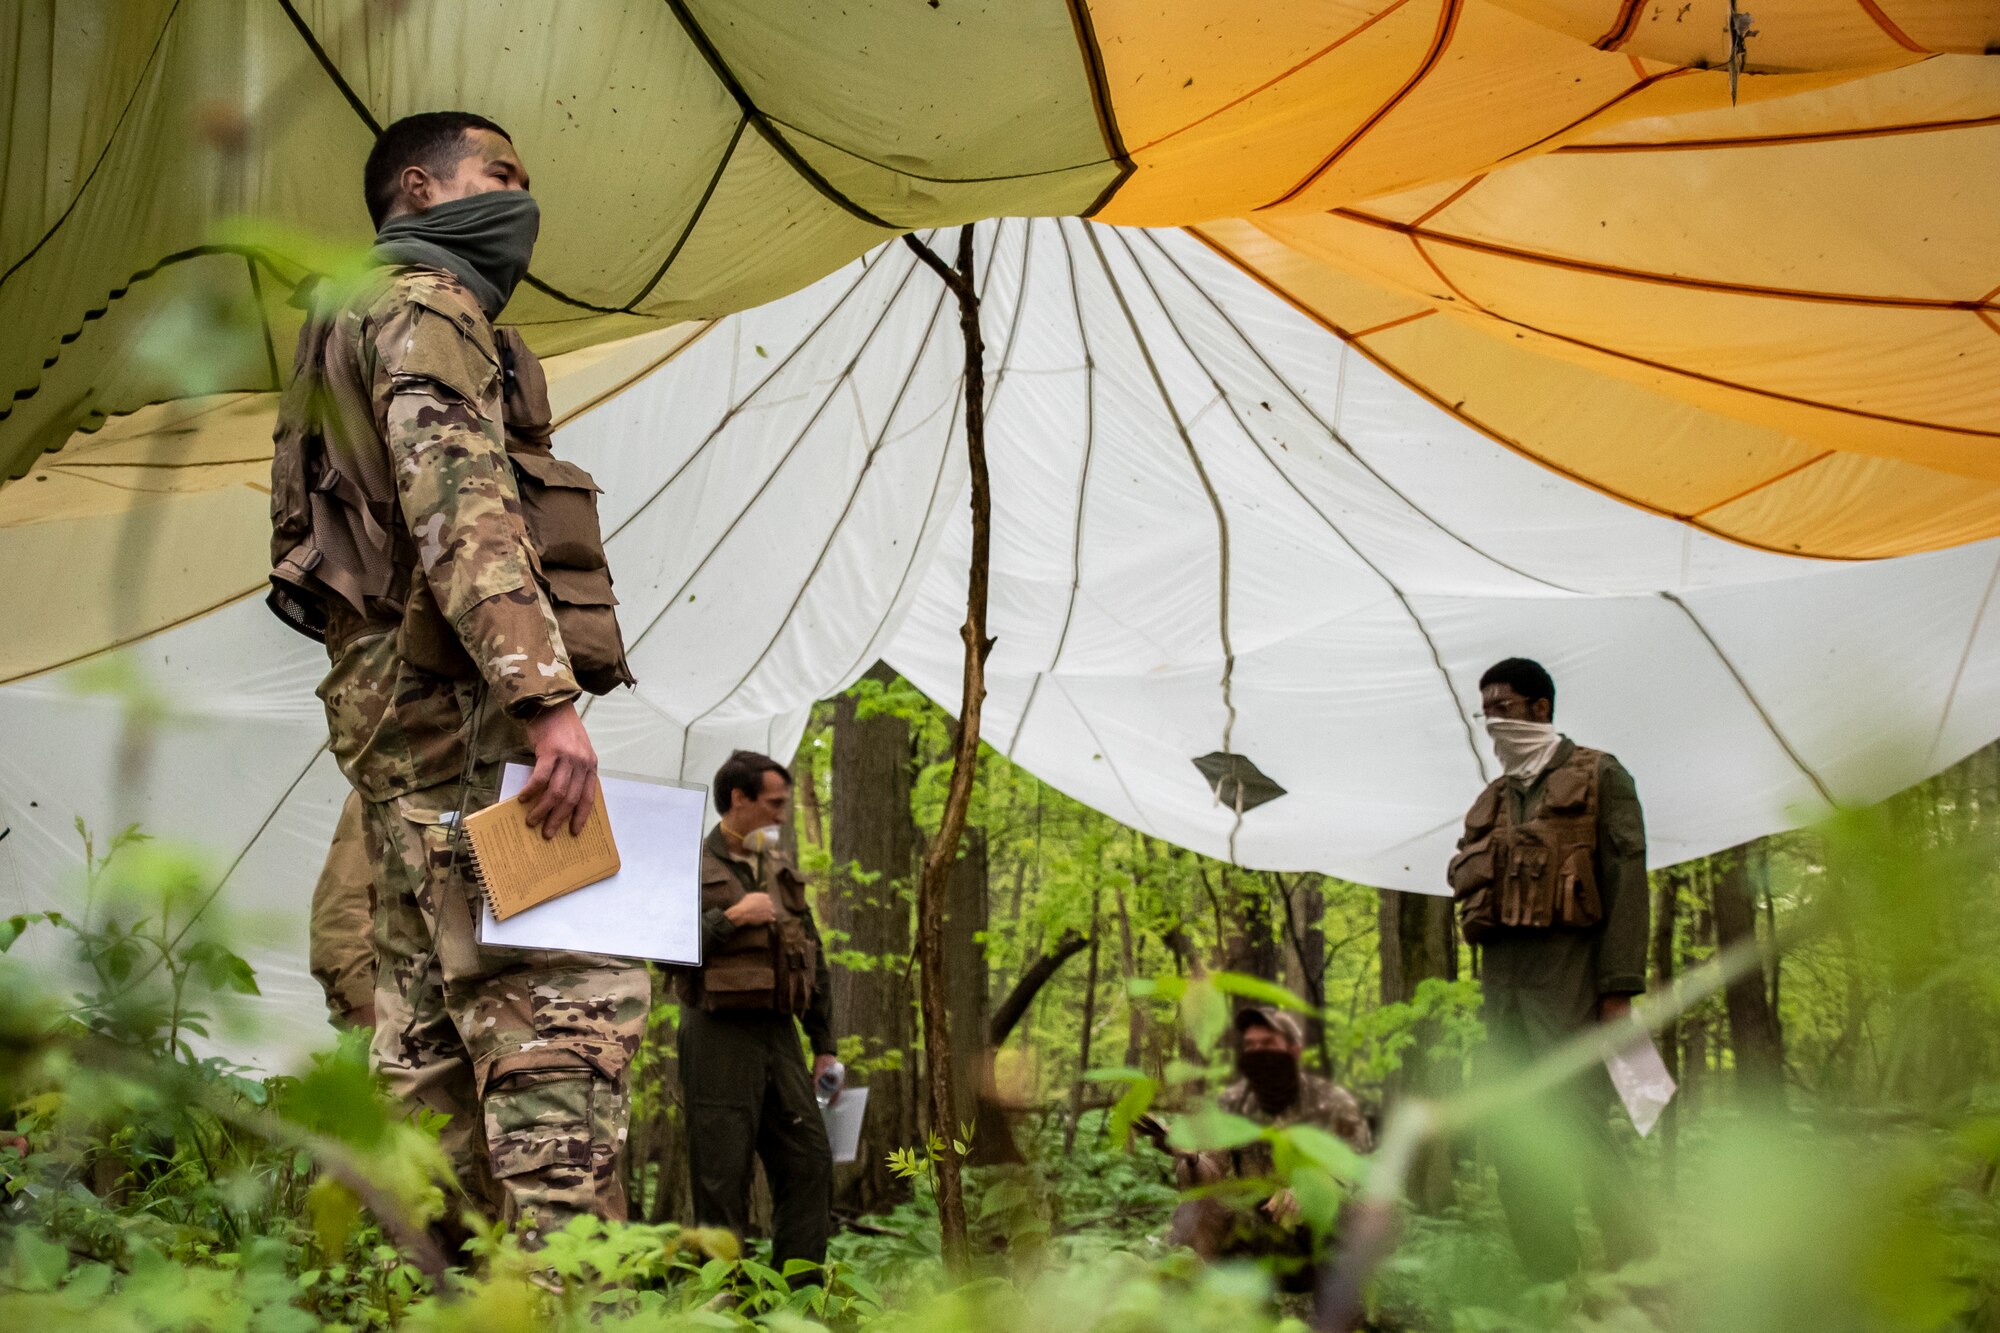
(525, 1050)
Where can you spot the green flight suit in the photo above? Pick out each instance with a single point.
(1542, 986)
(747, 1087)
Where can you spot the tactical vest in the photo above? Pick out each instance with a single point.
(336, 532)
(1537, 874)
(761, 967)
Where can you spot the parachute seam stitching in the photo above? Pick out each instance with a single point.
(1751, 696)
(854, 668)
(1409, 609)
(1456, 412)
(765, 129)
(104, 153)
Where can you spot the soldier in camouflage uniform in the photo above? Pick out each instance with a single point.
(1277, 1090)
(417, 570)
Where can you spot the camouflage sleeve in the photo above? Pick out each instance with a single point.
(1621, 879)
(458, 495)
(1349, 1124)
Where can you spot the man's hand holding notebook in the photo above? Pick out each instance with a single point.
(518, 867)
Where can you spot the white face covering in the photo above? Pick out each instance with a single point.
(762, 839)
(1523, 748)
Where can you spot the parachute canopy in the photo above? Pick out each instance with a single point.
(1404, 335)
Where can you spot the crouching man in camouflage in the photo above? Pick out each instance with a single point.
(417, 519)
(1274, 1089)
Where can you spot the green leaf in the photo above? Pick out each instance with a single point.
(1137, 1100)
(1323, 1150)
(1212, 1130)
(1258, 989)
(1115, 1074)
(37, 1263)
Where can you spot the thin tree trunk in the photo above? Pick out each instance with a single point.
(1135, 1015)
(1763, 887)
(1753, 1034)
(1694, 1084)
(1666, 919)
(965, 750)
(1089, 1022)
(1417, 944)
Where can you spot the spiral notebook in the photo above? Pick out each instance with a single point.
(518, 868)
(651, 908)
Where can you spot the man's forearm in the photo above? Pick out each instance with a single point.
(716, 931)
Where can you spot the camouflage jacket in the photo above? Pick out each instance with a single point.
(1321, 1102)
(412, 369)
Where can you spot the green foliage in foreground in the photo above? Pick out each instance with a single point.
(146, 1188)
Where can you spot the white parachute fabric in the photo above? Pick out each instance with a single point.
(1214, 529)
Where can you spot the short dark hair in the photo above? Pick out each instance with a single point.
(744, 771)
(1527, 677)
(433, 140)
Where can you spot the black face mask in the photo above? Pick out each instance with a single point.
(1273, 1076)
(485, 239)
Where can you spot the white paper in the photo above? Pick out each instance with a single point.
(1643, 1083)
(652, 907)
(843, 1123)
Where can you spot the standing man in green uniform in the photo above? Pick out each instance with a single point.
(1550, 878)
(404, 540)
(763, 977)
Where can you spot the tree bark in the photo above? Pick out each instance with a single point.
(1753, 1029)
(1696, 1026)
(1417, 944)
(1252, 945)
(966, 981)
(1135, 1015)
(1089, 1023)
(874, 855)
(1666, 920)
(1304, 904)
(965, 750)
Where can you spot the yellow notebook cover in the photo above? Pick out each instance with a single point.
(518, 868)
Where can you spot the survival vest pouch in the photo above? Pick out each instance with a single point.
(335, 524)
(1540, 873)
(559, 505)
(762, 967)
(329, 538)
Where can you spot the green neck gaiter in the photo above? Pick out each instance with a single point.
(485, 240)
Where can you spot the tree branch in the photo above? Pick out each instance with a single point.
(943, 852)
(1030, 985)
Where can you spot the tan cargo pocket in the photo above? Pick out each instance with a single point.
(449, 349)
(741, 985)
(559, 507)
(1578, 903)
(559, 502)
(1471, 869)
(1476, 920)
(539, 1118)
